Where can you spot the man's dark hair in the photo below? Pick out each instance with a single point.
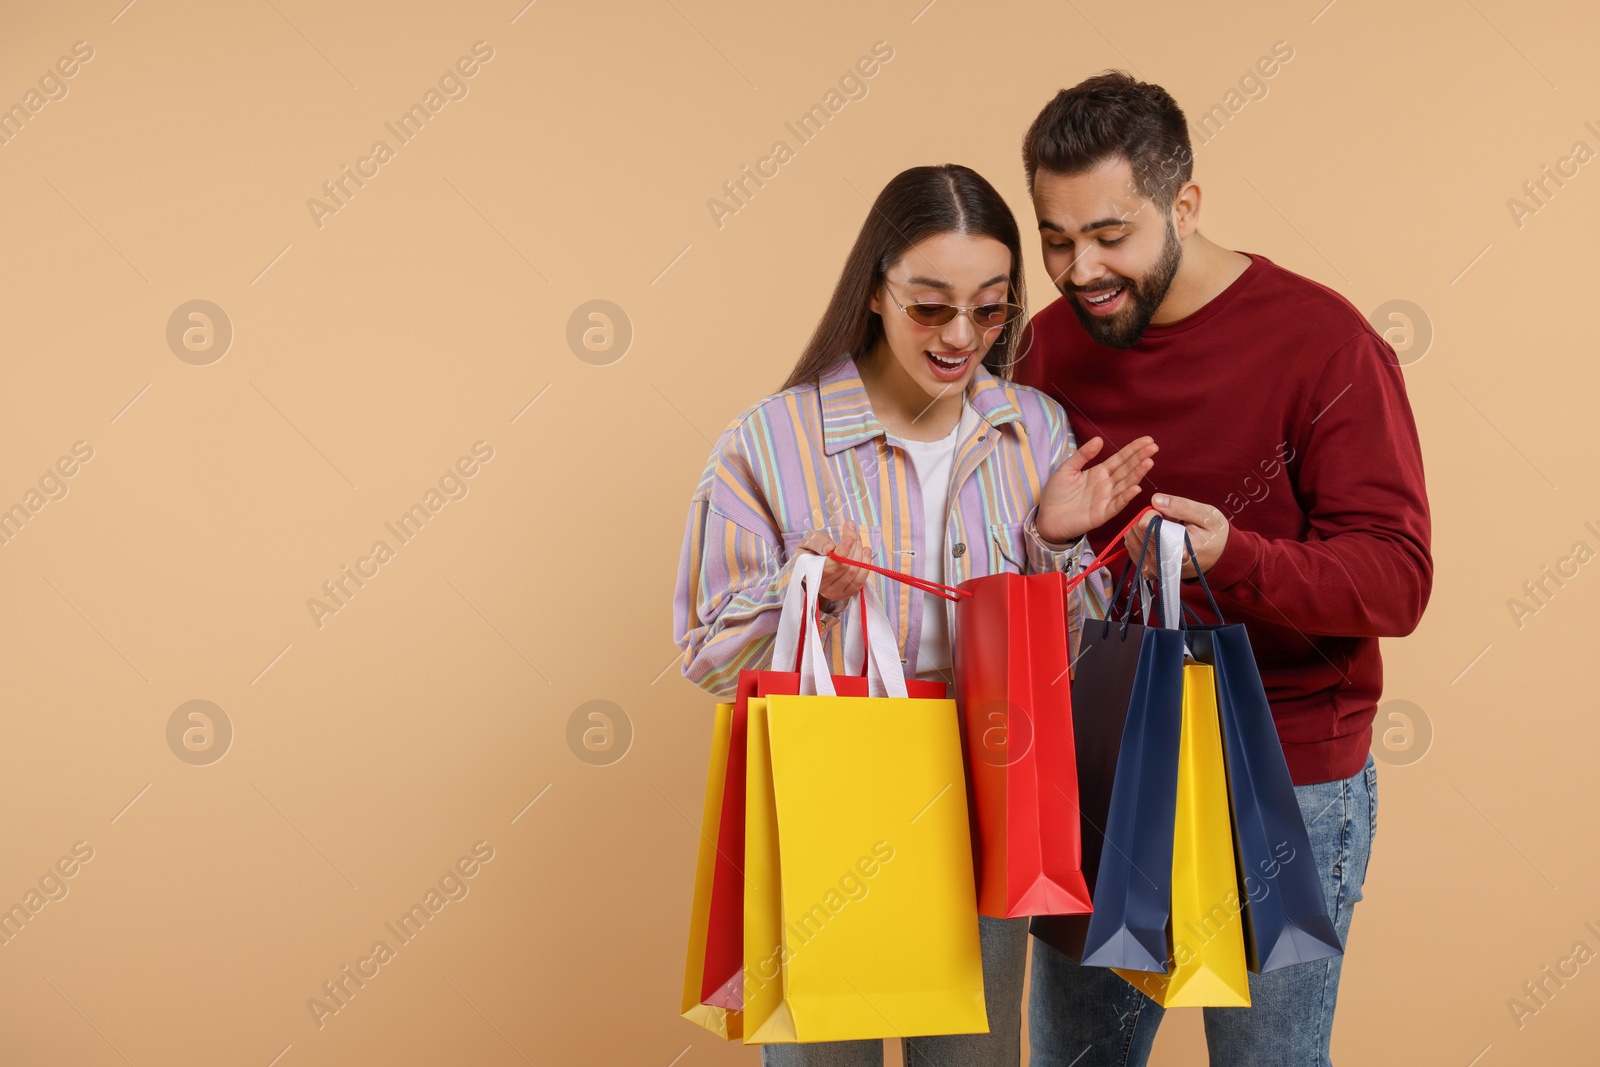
(1113, 115)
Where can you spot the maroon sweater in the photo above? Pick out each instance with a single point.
(1278, 403)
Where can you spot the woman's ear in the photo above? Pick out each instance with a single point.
(876, 303)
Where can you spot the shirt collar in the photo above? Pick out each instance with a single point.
(847, 418)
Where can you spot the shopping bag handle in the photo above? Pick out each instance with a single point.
(1122, 581)
(1188, 550)
(799, 635)
(1136, 583)
(797, 623)
(1113, 551)
(788, 642)
(1129, 584)
(880, 651)
(1117, 593)
(815, 620)
(880, 661)
(927, 585)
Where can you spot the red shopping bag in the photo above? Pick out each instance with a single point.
(1012, 659)
(1014, 690)
(722, 981)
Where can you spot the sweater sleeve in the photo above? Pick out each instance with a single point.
(1363, 566)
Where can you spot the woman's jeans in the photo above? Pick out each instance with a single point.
(1089, 1017)
(1005, 944)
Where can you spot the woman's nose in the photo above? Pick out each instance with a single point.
(959, 333)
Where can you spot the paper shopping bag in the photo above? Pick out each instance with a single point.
(1013, 686)
(860, 912)
(1287, 915)
(1133, 885)
(723, 972)
(720, 1021)
(723, 976)
(1206, 965)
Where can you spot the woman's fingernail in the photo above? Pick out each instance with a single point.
(1161, 500)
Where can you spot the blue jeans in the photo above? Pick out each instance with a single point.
(1005, 959)
(1089, 1017)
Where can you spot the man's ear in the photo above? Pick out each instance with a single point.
(1186, 209)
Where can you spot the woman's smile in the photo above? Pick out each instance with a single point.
(949, 366)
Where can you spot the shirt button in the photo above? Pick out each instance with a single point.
(960, 550)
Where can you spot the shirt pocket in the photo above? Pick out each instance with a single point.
(1008, 547)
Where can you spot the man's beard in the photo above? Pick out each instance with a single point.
(1124, 329)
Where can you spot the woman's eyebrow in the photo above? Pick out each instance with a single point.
(935, 283)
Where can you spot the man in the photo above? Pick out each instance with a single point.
(1288, 450)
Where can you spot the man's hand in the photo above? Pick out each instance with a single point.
(1078, 498)
(1207, 526)
(840, 581)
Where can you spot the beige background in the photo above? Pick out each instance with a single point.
(431, 310)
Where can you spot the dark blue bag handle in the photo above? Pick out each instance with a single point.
(1132, 570)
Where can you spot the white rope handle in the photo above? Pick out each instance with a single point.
(786, 644)
(799, 613)
(885, 674)
(1170, 556)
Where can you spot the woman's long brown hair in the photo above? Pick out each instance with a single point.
(917, 204)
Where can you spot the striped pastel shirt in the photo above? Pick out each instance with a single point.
(813, 457)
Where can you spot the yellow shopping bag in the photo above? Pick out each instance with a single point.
(860, 904)
(720, 1021)
(1206, 965)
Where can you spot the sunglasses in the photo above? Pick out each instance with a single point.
(984, 316)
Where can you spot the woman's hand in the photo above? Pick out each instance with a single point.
(840, 581)
(1079, 498)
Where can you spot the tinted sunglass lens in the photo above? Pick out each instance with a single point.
(992, 315)
(931, 314)
(989, 315)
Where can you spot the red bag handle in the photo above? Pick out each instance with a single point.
(927, 585)
(1113, 551)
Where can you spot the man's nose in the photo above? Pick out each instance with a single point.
(1085, 269)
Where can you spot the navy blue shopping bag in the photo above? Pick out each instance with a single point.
(1286, 915)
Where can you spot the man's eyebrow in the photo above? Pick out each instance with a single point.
(1088, 227)
(937, 283)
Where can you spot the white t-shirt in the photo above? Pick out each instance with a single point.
(934, 463)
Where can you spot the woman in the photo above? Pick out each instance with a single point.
(899, 439)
